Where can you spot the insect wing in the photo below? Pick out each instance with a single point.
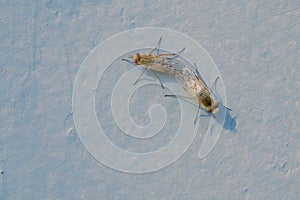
(167, 65)
(191, 82)
(200, 77)
(184, 78)
(175, 65)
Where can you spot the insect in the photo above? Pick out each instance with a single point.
(198, 90)
(165, 63)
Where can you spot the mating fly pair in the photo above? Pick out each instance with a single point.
(191, 80)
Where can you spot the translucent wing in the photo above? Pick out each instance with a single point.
(199, 75)
(175, 65)
(166, 65)
(191, 82)
(185, 78)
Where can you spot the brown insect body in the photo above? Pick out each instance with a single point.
(165, 63)
(197, 89)
(157, 63)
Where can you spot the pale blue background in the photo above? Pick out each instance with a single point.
(255, 46)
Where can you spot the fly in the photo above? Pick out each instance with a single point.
(165, 63)
(197, 90)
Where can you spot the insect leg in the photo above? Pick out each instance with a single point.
(225, 106)
(178, 53)
(128, 61)
(198, 111)
(178, 96)
(215, 82)
(175, 55)
(214, 86)
(155, 74)
(152, 50)
(140, 76)
(157, 47)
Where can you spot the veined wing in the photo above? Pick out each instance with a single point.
(200, 75)
(167, 65)
(190, 82)
(186, 80)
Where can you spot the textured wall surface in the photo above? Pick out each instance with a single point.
(255, 45)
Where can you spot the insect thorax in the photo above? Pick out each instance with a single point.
(205, 99)
(146, 59)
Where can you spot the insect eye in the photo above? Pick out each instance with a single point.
(136, 58)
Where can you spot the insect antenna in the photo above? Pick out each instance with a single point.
(197, 115)
(129, 61)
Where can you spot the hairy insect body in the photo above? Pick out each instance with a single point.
(165, 63)
(197, 89)
(161, 64)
